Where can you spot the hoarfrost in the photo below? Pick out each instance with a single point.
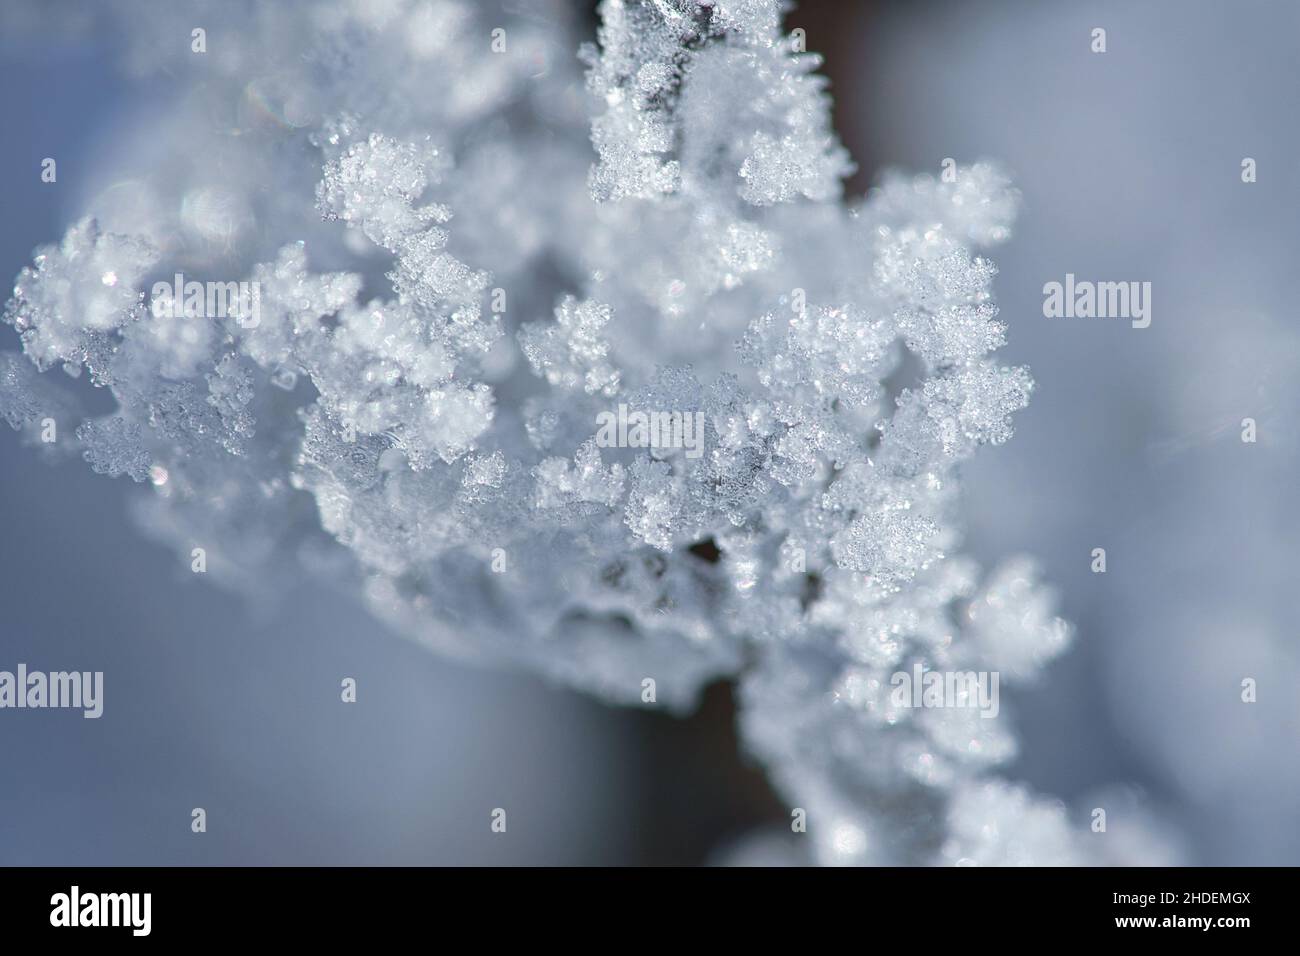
(448, 472)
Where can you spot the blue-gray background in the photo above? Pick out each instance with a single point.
(1130, 166)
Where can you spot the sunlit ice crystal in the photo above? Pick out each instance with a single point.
(481, 276)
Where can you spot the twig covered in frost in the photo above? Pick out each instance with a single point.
(413, 406)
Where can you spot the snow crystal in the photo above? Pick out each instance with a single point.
(400, 411)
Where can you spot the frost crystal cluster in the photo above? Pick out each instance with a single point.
(467, 245)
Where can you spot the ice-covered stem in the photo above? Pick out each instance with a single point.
(375, 424)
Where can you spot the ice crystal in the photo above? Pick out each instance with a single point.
(572, 352)
(377, 424)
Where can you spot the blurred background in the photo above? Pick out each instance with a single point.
(1130, 165)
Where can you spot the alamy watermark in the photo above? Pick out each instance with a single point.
(1100, 300)
(78, 690)
(241, 301)
(75, 908)
(977, 690)
(636, 429)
